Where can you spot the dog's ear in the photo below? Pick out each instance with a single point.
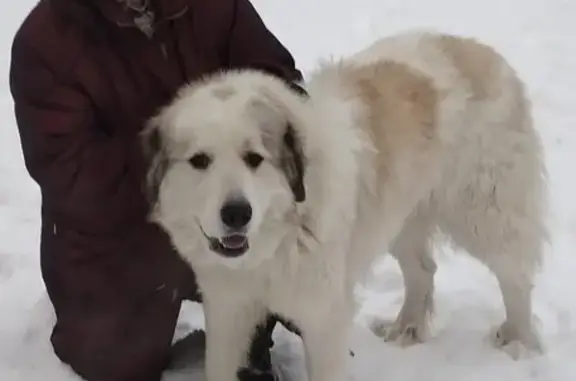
(154, 149)
(292, 162)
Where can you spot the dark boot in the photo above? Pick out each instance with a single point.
(259, 358)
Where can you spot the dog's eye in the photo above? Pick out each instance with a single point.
(253, 159)
(200, 161)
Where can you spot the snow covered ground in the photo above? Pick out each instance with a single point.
(538, 38)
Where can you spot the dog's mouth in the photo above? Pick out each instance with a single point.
(231, 246)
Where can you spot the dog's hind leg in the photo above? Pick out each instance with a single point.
(516, 284)
(501, 223)
(412, 249)
(512, 252)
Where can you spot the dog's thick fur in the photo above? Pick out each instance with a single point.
(419, 131)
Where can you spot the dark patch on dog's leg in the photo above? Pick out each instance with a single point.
(248, 374)
(187, 350)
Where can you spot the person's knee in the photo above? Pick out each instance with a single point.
(110, 349)
(105, 359)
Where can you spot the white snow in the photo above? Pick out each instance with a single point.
(537, 36)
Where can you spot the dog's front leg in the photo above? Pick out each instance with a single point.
(229, 326)
(326, 346)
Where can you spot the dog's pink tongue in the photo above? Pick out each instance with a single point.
(234, 241)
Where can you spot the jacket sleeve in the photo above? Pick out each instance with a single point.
(252, 44)
(83, 172)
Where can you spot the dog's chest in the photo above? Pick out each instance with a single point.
(302, 293)
(295, 305)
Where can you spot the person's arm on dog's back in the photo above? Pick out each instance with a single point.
(252, 44)
(80, 168)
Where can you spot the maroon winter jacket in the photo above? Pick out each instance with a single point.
(83, 89)
(84, 80)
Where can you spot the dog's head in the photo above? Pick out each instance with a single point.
(226, 162)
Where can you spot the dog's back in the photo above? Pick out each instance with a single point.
(449, 113)
(466, 114)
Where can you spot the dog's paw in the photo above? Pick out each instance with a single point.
(402, 333)
(251, 374)
(517, 344)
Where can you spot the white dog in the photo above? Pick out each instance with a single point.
(281, 203)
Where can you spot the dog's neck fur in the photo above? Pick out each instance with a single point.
(332, 165)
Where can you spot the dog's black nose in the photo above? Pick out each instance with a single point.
(236, 214)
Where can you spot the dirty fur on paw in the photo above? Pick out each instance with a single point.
(525, 346)
(396, 332)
